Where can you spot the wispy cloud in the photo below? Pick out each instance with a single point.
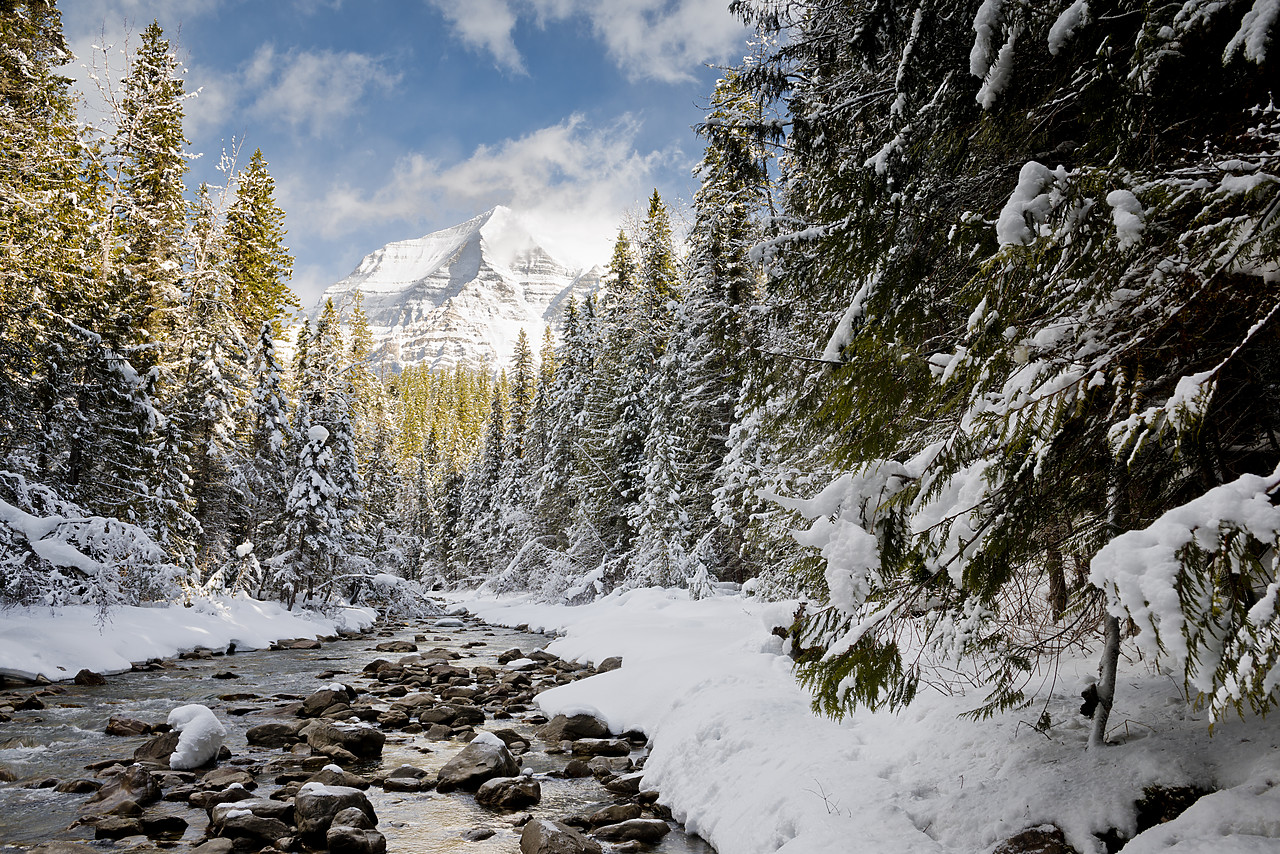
(571, 179)
(311, 90)
(486, 26)
(647, 39)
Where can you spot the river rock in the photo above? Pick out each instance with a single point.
(274, 733)
(628, 784)
(157, 750)
(479, 761)
(648, 830)
(30, 704)
(611, 663)
(221, 778)
(541, 836)
(357, 742)
(332, 775)
(576, 769)
(134, 784)
(117, 827)
(512, 739)
(393, 719)
(164, 826)
(247, 830)
(209, 800)
(396, 646)
(343, 839)
(317, 804)
(614, 814)
(509, 793)
(261, 807)
(570, 728)
(297, 643)
(88, 677)
(60, 846)
(214, 846)
(325, 698)
(407, 778)
(126, 727)
(601, 747)
(80, 786)
(607, 767)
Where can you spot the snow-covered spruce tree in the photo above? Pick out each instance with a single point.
(148, 148)
(258, 261)
(480, 494)
(54, 364)
(210, 389)
(556, 497)
(1010, 398)
(513, 537)
(47, 211)
(313, 523)
(266, 465)
(715, 341)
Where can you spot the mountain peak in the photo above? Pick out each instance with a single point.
(461, 295)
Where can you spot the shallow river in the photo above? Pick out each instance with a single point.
(61, 739)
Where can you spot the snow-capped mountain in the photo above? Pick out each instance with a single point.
(461, 295)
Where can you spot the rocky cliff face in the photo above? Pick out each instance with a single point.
(461, 295)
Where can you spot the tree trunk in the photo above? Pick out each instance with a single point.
(1106, 682)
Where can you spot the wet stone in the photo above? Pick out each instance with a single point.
(638, 829)
(509, 793)
(117, 827)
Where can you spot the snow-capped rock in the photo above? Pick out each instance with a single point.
(461, 295)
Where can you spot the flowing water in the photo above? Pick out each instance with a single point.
(61, 739)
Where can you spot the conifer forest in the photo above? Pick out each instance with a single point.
(972, 346)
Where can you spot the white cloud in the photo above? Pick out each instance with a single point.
(647, 39)
(658, 39)
(485, 25)
(569, 180)
(315, 90)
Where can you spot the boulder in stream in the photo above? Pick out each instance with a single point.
(482, 759)
(134, 784)
(274, 733)
(509, 793)
(317, 804)
(157, 750)
(396, 646)
(90, 678)
(127, 727)
(648, 830)
(541, 836)
(330, 739)
(571, 728)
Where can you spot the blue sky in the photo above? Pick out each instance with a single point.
(386, 119)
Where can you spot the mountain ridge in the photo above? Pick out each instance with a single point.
(460, 295)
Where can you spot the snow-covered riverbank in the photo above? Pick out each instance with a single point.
(743, 762)
(58, 643)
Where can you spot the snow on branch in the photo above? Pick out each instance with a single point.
(1174, 579)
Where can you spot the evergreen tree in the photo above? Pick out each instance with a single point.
(267, 468)
(1002, 402)
(149, 144)
(313, 527)
(259, 263)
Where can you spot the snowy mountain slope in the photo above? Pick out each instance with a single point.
(461, 295)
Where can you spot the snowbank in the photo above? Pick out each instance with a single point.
(743, 762)
(56, 644)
